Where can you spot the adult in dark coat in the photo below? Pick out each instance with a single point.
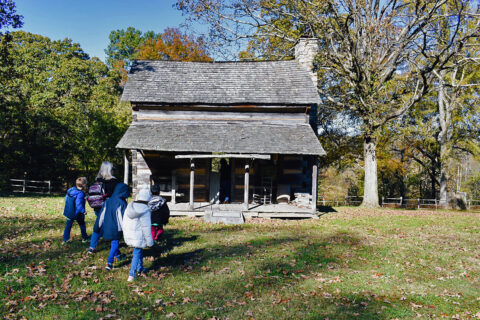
(109, 182)
(109, 221)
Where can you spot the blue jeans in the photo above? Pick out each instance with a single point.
(137, 262)
(96, 236)
(94, 239)
(68, 227)
(114, 251)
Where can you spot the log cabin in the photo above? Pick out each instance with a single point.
(228, 133)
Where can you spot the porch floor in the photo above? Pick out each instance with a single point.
(280, 210)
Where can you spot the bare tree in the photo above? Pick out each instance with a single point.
(372, 58)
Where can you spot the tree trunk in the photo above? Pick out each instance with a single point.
(445, 120)
(370, 193)
(443, 177)
(433, 191)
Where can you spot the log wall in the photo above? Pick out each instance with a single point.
(140, 170)
(168, 115)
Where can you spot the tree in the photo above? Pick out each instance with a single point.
(172, 44)
(59, 110)
(9, 16)
(457, 108)
(446, 121)
(369, 55)
(127, 45)
(124, 44)
(123, 47)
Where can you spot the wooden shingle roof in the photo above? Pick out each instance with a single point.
(222, 83)
(222, 136)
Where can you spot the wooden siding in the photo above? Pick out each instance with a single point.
(167, 115)
(140, 170)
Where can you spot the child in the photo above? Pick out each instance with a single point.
(75, 209)
(109, 221)
(160, 213)
(136, 230)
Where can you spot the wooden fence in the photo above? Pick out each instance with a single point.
(31, 186)
(473, 204)
(410, 203)
(395, 203)
(346, 201)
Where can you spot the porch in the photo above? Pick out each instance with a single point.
(277, 210)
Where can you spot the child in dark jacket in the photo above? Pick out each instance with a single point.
(75, 209)
(160, 212)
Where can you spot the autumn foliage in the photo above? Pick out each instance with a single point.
(174, 45)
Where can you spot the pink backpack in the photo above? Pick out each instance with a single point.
(96, 195)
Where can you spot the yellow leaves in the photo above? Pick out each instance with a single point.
(119, 66)
(172, 44)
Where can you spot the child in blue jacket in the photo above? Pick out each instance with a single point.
(75, 209)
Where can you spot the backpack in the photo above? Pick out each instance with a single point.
(96, 195)
(69, 210)
(164, 214)
(160, 211)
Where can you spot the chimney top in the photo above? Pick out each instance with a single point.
(306, 49)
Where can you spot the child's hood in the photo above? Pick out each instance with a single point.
(156, 203)
(121, 191)
(136, 209)
(73, 192)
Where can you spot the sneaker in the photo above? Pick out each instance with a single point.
(91, 251)
(130, 278)
(109, 267)
(65, 242)
(86, 240)
(142, 272)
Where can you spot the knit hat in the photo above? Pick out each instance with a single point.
(143, 195)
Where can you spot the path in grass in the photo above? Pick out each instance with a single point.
(382, 264)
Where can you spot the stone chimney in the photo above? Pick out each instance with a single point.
(305, 51)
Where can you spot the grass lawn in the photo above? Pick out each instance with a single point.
(353, 263)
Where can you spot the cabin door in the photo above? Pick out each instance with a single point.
(215, 187)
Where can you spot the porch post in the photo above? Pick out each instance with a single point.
(192, 182)
(246, 186)
(174, 187)
(314, 184)
(127, 165)
(232, 179)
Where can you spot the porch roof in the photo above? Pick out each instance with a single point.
(222, 136)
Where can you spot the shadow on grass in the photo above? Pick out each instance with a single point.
(12, 227)
(275, 264)
(21, 246)
(31, 252)
(310, 256)
(274, 267)
(171, 238)
(325, 209)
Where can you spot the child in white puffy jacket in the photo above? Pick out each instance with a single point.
(136, 226)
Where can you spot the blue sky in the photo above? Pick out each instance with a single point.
(89, 22)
